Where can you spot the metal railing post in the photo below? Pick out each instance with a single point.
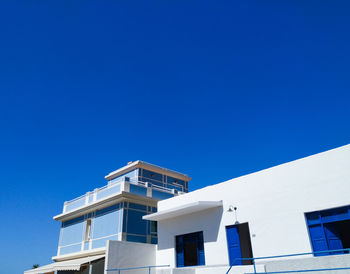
(254, 266)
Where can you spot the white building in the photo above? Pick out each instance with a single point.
(295, 208)
(298, 207)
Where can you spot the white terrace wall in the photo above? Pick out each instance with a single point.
(273, 201)
(128, 254)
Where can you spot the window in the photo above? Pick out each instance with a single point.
(329, 230)
(190, 249)
(134, 227)
(72, 231)
(129, 176)
(176, 184)
(88, 230)
(150, 176)
(154, 230)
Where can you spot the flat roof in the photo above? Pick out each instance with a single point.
(148, 166)
(105, 202)
(182, 210)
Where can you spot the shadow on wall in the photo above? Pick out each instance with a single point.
(207, 221)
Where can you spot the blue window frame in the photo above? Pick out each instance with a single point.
(176, 184)
(190, 249)
(134, 227)
(329, 230)
(151, 176)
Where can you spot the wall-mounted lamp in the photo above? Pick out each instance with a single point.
(232, 208)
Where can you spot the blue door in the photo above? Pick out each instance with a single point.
(180, 258)
(190, 249)
(318, 239)
(333, 238)
(200, 249)
(234, 245)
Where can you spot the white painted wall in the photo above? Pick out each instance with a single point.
(121, 254)
(273, 201)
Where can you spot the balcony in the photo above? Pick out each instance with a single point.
(123, 185)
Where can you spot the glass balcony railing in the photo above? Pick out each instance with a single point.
(117, 187)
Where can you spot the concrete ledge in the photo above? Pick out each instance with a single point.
(322, 262)
(121, 254)
(81, 254)
(213, 269)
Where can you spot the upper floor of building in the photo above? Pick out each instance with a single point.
(115, 211)
(139, 178)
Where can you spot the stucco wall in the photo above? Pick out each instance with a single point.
(128, 254)
(324, 262)
(273, 201)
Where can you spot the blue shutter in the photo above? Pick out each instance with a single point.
(318, 239)
(200, 247)
(180, 259)
(333, 238)
(324, 230)
(234, 245)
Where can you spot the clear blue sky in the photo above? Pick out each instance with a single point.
(214, 89)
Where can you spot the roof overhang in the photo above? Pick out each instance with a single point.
(151, 167)
(119, 197)
(64, 265)
(80, 254)
(182, 210)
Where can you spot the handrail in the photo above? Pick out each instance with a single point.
(134, 182)
(75, 199)
(139, 183)
(304, 270)
(162, 188)
(291, 255)
(137, 267)
(112, 184)
(92, 196)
